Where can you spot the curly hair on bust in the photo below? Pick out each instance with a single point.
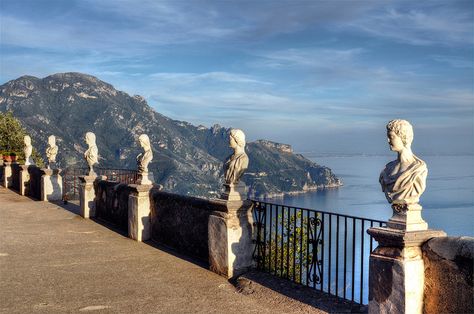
(403, 129)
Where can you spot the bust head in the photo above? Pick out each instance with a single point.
(27, 140)
(237, 138)
(399, 134)
(52, 140)
(144, 141)
(90, 138)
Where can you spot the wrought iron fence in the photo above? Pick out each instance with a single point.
(71, 179)
(326, 251)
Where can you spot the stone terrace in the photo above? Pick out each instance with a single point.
(54, 261)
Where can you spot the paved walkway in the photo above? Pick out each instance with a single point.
(53, 261)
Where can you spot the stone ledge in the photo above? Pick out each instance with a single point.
(401, 239)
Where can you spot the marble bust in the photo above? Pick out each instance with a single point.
(92, 153)
(237, 163)
(404, 179)
(51, 150)
(143, 159)
(28, 150)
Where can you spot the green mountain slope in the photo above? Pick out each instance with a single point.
(187, 158)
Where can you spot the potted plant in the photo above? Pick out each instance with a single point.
(9, 156)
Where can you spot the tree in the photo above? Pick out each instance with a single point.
(11, 137)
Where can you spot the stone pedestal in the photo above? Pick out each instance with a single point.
(145, 178)
(234, 192)
(139, 225)
(24, 180)
(51, 185)
(7, 174)
(407, 217)
(396, 270)
(230, 239)
(87, 195)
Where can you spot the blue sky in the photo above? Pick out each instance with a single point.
(324, 76)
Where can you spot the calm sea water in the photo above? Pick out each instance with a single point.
(448, 202)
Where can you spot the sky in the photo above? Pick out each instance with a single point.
(323, 76)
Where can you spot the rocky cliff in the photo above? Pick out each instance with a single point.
(187, 158)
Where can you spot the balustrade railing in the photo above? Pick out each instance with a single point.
(71, 179)
(326, 251)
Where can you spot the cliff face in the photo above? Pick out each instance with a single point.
(187, 158)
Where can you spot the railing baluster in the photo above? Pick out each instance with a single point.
(330, 254)
(270, 240)
(282, 240)
(345, 256)
(294, 244)
(322, 251)
(362, 231)
(288, 221)
(353, 259)
(264, 229)
(337, 255)
(276, 239)
(301, 246)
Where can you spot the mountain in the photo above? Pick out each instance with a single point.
(187, 158)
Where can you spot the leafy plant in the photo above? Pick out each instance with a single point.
(289, 252)
(11, 138)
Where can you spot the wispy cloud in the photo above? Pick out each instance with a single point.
(455, 61)
(426, 23)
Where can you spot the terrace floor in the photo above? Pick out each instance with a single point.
(54, 261)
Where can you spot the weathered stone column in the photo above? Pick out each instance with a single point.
(51, 185)
(24, 180)
(396, 270)
(87, 195)
(7, 174)
(139, 212)
(230, 238)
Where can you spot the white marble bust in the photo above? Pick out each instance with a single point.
(92, 153)
(237, 163)
(51, 150)
(143, 159)
(404, 179)
(28, 150)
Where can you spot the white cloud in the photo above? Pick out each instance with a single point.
(430, 23)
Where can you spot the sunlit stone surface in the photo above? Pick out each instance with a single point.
(91, 155)
(144, 159)
(28, 150)
(234, 167)
(51, 151)
(403, 180)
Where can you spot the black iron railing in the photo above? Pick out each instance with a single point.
(71, 179)
(326, 251)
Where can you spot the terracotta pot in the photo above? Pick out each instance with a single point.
(9, 158)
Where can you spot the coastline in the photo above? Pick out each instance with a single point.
(281, 195)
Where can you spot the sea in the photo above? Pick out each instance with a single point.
(448, 202)
(448, 205)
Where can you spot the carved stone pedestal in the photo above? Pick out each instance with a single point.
(139, 226)
(230, 238)
(24, 180)
(396, 270)
(234, 192)
(145, 178)
(7, 174)
(51, 185)
(407, 217)
(87, 195)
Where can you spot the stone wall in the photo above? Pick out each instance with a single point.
(181, 222)
(35, 182)
(448, 275)
(16, 176)
(112, 203)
